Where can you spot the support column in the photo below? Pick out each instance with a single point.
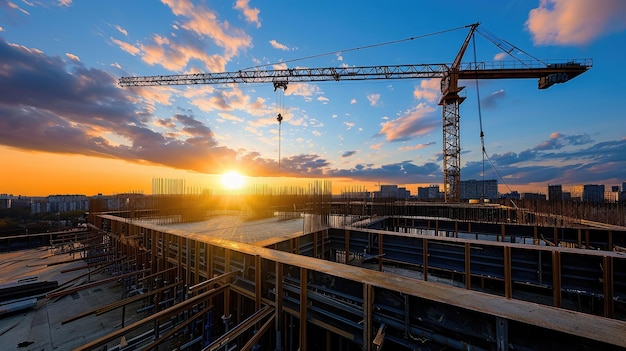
(303, 309)
(278, 301)
(368, 300)
(425, 258)
(508, 281)
(607, 277)
(556, 278)
(468, 273)
(347, 246)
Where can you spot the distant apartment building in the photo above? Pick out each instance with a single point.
(5, 201)
(477, 189)
(593, 193)
(59, 203)
(430, 192)
(392, 192)
(555, 192)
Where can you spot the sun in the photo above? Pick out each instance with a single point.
(233, 180)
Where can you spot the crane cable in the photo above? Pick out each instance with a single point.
(358, 48)
(482, 135)
(279, 89)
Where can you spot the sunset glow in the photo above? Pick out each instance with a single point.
(232, 180)
(67, 126)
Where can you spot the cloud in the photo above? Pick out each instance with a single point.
(374, 99)
(558, 141)
(404, 172)
(72, 57)
(50, 105)
(428, 90)
(552, 162)
(415, 147)
(121, 30)
(251, 14)
(376, 146)
(277, 45)
(416, 122)
(204, 22)
(348, 153)
(129, 48)
(500, 56)
(491, 100)
(11, 6)
(575, 22)
(196, 36)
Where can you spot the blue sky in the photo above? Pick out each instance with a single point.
(60, 61)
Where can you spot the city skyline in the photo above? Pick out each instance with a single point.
(67, 127)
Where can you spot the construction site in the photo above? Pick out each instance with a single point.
(299, 269)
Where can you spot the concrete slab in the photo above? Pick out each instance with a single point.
(40, 328)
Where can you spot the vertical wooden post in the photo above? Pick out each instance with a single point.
(556, 278)
(607, 277)
(468, 274)
(258, 281)
(380, 252)
(508, 281)
(278, 302)
(368, 300)
(303, 308)
(315, 244)
(556, 236)
(425, 258)
(347, 246)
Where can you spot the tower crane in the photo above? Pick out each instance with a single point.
(548, 73)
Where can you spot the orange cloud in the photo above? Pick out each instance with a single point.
(251, 14)
(428, 90)
(204, 22)
(416, 122)
(129, 48)
(575, 22)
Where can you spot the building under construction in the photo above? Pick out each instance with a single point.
(295, 270)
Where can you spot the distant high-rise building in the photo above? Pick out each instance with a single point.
(593, 193)
(392, 192)
(429, 193)
(60, 203)
(477, 189)
(555, 192)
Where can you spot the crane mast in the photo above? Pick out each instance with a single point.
(548, 73)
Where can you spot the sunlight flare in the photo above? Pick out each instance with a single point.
(233, 180)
